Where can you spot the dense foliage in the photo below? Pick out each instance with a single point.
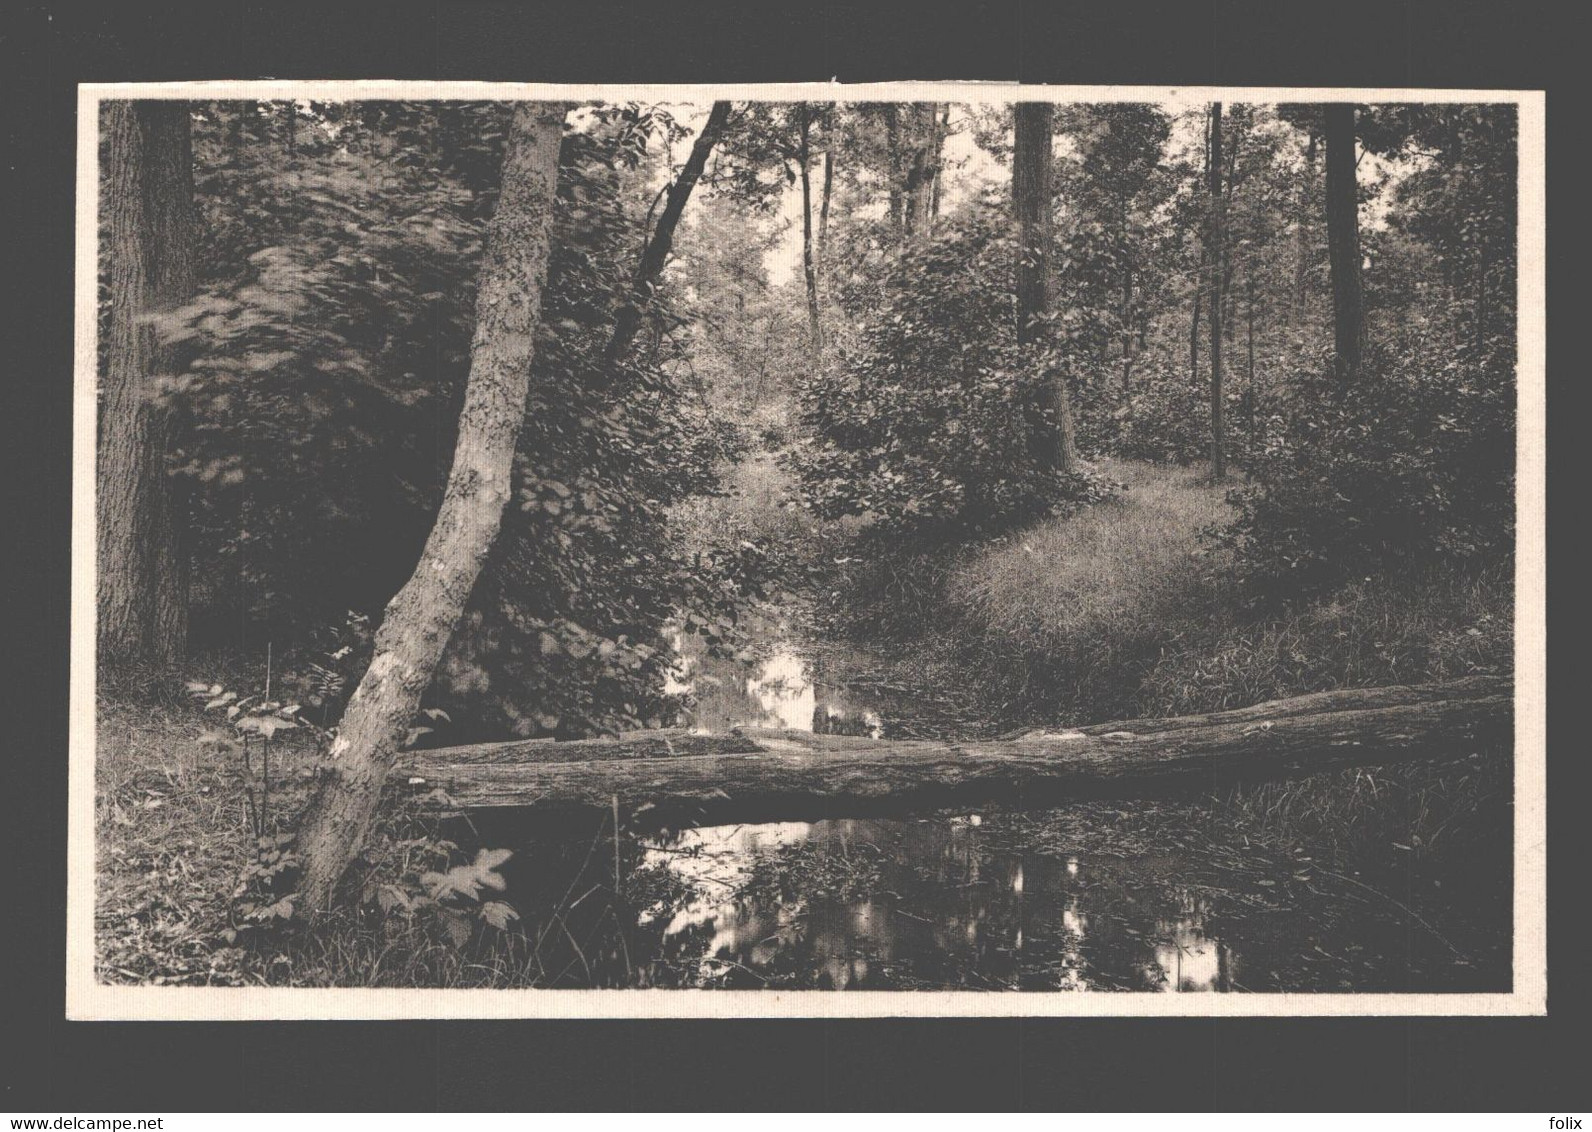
(325, 354)
(328, 351)
(1414, 463)
(929, 421)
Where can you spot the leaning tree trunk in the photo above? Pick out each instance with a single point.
(422, 617)
(150, 237)
(656, 253)
(823, 206)
(1031, 202)
(1218, 258)
(1343, 242)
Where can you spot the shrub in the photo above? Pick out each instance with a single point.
(1412, 464)
(929, 419)
(1168, 419)
(325, 356)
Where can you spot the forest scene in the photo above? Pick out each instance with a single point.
(1025, 546)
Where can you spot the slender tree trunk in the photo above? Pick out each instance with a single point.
(941, 133)
(1194, 322)
(815, 332)
(1230, 146)
(1343, 242)
(1031, 200)
(1218, 256)
(941, 129)
(823, 207)
(1249, 381)
(1200, 280)
(1127, 334)
(893, 159)
(422, 617)
(150, 240)
(656, 253)
(1301, 230)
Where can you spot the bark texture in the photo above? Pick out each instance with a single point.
(923, 167)
(1031, 205)
(149, 234)
(1343, 241)
(422, 617)
(798, 775)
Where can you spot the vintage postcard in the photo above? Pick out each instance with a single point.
(817, 550)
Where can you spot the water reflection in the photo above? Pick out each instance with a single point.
(769, 905)
(954, 902)
(777, 687)
(1065, 900)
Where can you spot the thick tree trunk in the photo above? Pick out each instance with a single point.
(150, 239)
(795, 775)
(815, 330)
(422, 617)
(661, 241)
(924, 175)
(672, 742)
(1218, 257)
(1343, 241)
(1031, 203)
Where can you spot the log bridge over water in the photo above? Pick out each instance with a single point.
(677, 777)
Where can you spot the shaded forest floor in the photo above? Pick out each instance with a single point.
(1127, 609)
(1120, 611)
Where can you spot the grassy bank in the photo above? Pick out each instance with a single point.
(1123, 611)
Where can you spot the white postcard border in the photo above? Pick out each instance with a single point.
(88, 999)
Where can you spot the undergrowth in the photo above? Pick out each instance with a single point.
(1124, 610)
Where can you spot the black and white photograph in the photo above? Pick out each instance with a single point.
(810, 550)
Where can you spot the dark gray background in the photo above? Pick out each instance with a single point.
(1322, 1064)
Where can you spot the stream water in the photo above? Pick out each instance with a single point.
(1130, 896)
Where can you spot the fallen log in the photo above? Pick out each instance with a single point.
(796, 775)
(1339, 699)
(657, 744)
